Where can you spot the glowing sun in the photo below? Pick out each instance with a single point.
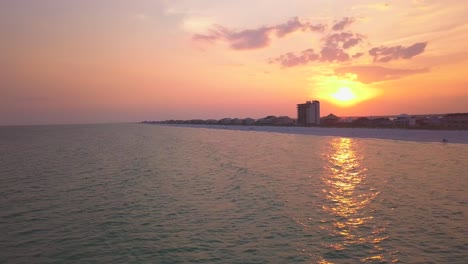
(344, 95)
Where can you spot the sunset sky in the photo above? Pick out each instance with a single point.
(113, 60)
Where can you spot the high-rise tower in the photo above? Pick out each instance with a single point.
(308, 114)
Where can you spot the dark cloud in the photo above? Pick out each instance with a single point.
(336, 44)
(358, 55)
(256, 38)
(333, 50)
(327, 53)
(370, 74)
(246, 39)
(288, 27)
(249, 39)
(214, 34)
(295, 24)
(344, 40)
(333, 54)
(386, 54)
(351, 43)
(345, 22)
(290, 59)
(336, 38)
(317, 27)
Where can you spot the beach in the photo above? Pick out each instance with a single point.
(451, 136)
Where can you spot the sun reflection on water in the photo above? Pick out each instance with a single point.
(350, 226)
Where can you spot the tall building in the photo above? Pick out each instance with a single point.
(308, 114)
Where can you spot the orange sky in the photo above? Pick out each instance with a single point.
(108, 61)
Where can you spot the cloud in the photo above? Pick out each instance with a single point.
(290, 59)
(333, 50)
(336, 47)
(290, 26)
(317, 27)
(327, 54)
(258, 37)
(214, 34)
(370, 74)
(351, 43)
(238, 40)
(386, 54)
(358, 55)
(336, 44)
(344, 40)
(332, 54)
(249, 39)
(345, 22)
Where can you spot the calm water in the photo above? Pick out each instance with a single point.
(140, 193)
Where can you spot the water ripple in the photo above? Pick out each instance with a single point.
(133, 193)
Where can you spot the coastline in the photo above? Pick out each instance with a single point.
(452, 136)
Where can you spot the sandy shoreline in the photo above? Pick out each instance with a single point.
(453, 136)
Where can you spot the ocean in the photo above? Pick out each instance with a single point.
(134, 193)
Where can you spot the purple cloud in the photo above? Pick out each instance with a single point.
(333, 53)
(256, 38)
(358, 55)
(344, 40)
(370, 74)
(336, 44)
(317, 27)
(290, 59)
(246, 39)
(333, 50)
(335, 47)
(386, 54)
(292, 25)
(214, 34)
(345, 22)
(249, 39)
(351, 43)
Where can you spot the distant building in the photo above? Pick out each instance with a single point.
(361, 122)
(248, 121)
(236, 121)
(456, 120)
(346, 120)
(432, 121)
(308, 113)
(269, 120)
(404, 120)
(329, 120)
(381, 122)
(284, 121)
(211, 121)
(225, 121)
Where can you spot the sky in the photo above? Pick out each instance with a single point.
(96, 61)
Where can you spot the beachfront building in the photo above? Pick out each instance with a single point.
(267, 121)
(329, 120)
(456, 120)
(381, 122)
(225, 121)
(404, 120)
(284, 121)
(308, 114)
(248, 121)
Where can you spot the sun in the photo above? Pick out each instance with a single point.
(342, 91)
(344, 95)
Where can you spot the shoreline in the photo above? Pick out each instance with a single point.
(452, 136)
